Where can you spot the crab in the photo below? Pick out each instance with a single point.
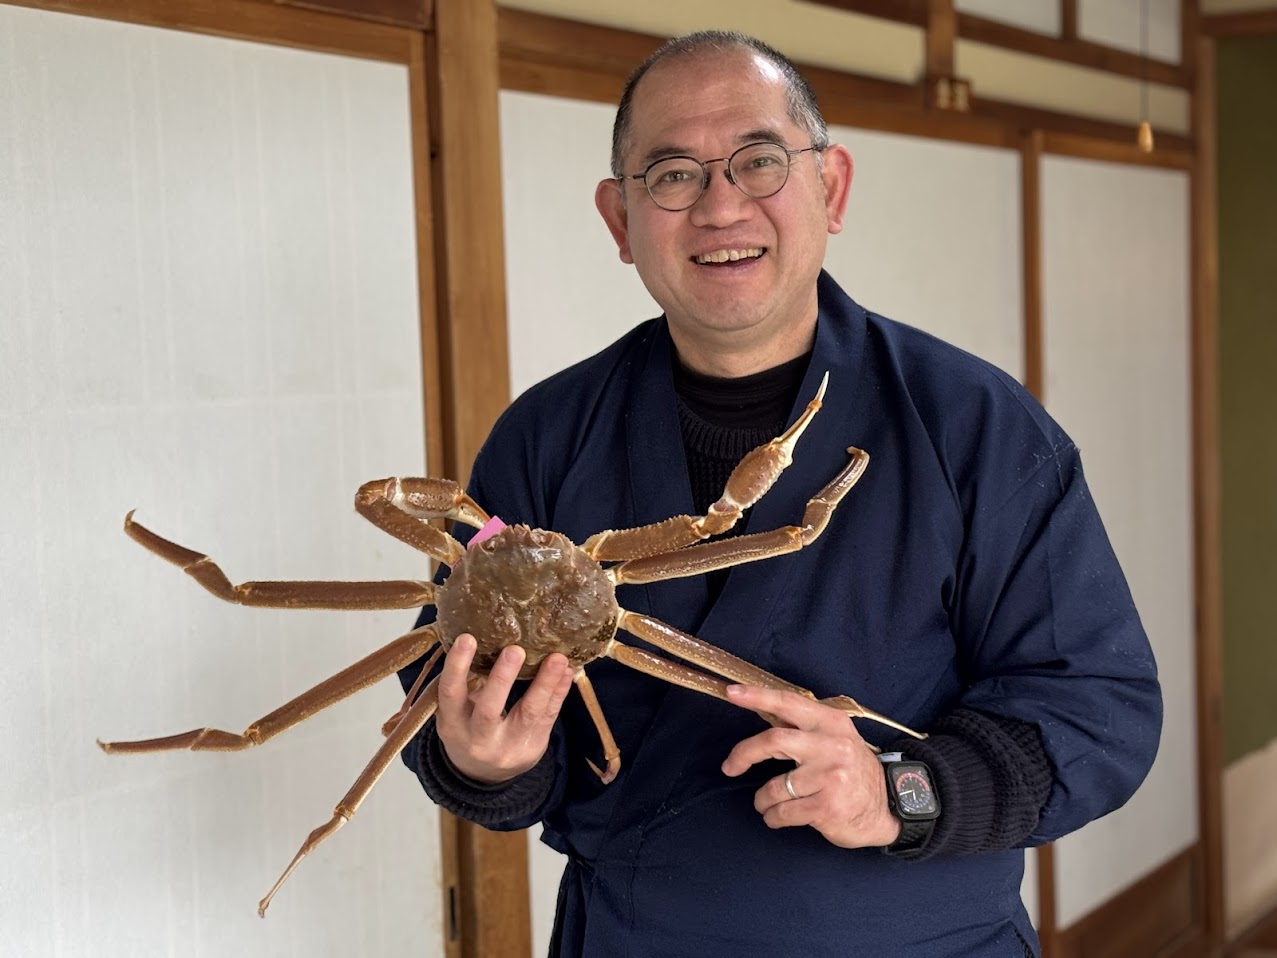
(519, 585)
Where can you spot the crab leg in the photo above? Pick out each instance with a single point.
(388, 726)
(708, 556)
(403, 508)
(611, 753)
(367, 671)
(691, 649)
(671, 672)
(402, 594)
(749, 481)
(395, 742)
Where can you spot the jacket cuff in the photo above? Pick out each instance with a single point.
(993, 778)
(479, 802)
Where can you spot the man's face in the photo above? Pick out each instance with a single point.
(706, 107)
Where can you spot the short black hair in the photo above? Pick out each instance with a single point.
(800, 100)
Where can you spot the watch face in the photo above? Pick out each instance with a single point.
(914, 794)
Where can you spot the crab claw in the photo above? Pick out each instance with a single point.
(613, 766)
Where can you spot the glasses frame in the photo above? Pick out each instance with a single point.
(727, 171)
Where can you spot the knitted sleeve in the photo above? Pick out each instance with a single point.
(993, 778)
(478, 802)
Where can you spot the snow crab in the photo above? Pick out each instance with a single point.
(518, 585)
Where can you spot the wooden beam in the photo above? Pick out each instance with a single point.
(1260, 935)
(470, 261)
(1207, 534)
(542, 54)
(1189, 30)
(1095, 139)
(1085, 53)
(1031, 264)
(1068, 47)
(538, 38)
(1035, 383)
(488, 893)
(1068, 20)
(942, 28)
(902, 11)
(1088, 148)
(403, 13)
(250, 20)
(427, 291)
(1239, 24)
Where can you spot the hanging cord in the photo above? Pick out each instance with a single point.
(1144, 138)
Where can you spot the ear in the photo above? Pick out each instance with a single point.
(611, 206)
(836, 172)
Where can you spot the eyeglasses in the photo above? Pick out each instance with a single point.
(758, 170)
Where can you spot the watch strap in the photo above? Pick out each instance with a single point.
(914, 835)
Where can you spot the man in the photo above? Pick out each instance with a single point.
(965, 587)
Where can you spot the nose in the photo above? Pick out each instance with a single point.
(721, 202)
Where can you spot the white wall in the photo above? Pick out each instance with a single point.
(1040, 16)
(208, 311)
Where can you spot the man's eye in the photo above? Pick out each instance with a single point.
(674, 177)
(763, 161)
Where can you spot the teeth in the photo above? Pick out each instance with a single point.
(725, 255)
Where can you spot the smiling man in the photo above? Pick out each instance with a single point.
(735, 269)
(966, 587)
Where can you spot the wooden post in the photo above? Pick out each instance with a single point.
(1208, 550)
(944, 90)
(485, 891)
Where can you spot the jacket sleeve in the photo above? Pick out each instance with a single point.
(1050, 637)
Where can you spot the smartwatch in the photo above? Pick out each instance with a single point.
(911, 795)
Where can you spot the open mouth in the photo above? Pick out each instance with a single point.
(730, 257)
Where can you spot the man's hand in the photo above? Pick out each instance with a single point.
(840, 783)
(482, 741)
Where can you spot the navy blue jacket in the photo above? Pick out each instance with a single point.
(969, 569)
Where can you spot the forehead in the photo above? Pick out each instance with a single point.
(686, 100)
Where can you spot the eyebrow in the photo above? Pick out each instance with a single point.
(759, 135)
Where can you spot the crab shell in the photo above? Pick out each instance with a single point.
(532, 588)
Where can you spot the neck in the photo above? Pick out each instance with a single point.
(732, 355)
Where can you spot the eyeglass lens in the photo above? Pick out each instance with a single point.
(758, 170)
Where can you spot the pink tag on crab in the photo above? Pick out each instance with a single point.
(490, 529)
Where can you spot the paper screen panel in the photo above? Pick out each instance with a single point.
(1115, 249)
(211, 314)
(1040, 16)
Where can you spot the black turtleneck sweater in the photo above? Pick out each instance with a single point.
(722, 420)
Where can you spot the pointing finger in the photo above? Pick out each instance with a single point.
(798, 710)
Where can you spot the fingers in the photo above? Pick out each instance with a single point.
(794, 812)
(775, 793)
(545, 695)
(482, 741)
(786, 743)
(790, 707)
(454, 693)
(490, 700)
